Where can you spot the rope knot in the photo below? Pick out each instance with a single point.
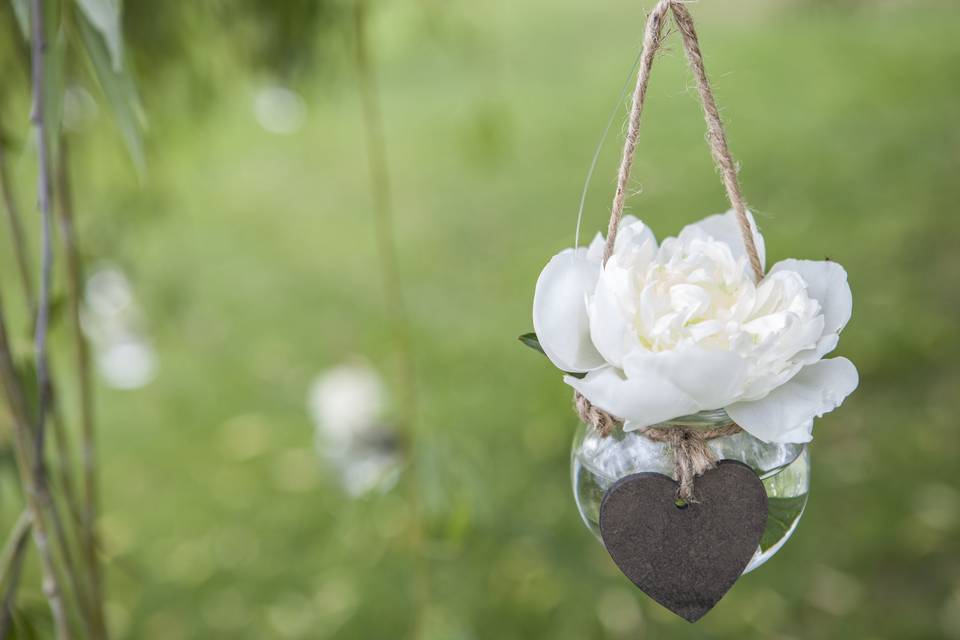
(692, 455)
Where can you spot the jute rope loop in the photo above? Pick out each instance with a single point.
(717, 139)
(692, 455)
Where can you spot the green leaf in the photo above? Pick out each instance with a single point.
(120, 91)
(21, 10)
(782, 513)
(531, 340)
(104, 16)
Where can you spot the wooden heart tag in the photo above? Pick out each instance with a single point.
(686, 558)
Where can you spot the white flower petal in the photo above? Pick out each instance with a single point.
(632, 233)
(560, 311)
(827, 284)
(643, 400)
(595, 250)
(817, 389)
(725, 228)
(825, 345)
(799, 434)
(712, 379)
(610, 327)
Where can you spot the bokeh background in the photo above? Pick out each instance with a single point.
(249, 244)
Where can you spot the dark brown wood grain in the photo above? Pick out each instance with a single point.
(686, 558)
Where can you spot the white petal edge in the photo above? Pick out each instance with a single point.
(800, 434)
(712, 379)
(633, 232)
(827, 284)
(595, 250)
(560, 311)
(643, 400)
(610, 329)
(725, 228)
(817, 389)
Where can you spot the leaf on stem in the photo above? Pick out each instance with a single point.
(119, 89)
(21, 11)
(104, 16)
(531, 340)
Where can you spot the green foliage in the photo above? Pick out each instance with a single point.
(92, 32)
(118, 87)
(252, 254)
(104, 17)
(531, 340)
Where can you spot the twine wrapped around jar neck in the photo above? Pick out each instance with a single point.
(692, 455)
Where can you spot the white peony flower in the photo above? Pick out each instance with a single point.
(670, 330)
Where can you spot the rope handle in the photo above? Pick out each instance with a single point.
(692, 455)
(652, 40)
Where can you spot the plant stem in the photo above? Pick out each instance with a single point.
(11, 562)
(37, 117)
(393, 291)
(21, 252)
(88, 456)
(16, 230)
(37, 488)
(36, 496)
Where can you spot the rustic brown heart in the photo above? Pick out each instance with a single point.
(686, 558)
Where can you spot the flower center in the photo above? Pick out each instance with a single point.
(696, 292)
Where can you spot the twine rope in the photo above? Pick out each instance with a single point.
(716, 138)
(692, 455)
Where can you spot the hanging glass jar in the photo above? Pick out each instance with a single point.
(598, 461)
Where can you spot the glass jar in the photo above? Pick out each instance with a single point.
(596, 462)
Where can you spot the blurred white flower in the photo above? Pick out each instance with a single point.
(667, 331)
(279, 110)
(113, 322)
(347, 404)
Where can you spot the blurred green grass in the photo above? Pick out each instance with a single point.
(254, 257)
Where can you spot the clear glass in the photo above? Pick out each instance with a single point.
(597, 462)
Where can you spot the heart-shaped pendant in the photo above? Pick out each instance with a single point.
(685, 557)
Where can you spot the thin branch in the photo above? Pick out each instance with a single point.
(84, 606)
(59, 431)
(88, 457)
(393, 290)
(37, 117)
(37, 488)
(11, 562)
(16, 230)
(36, 496)
(383, 211)
(21, 252)
(64, 457)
